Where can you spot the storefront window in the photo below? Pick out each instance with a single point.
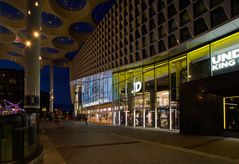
(178, 75)
(231, 113)
(199, 63)
(122, 87)
(115, 86)
(138, 97)
(225, 55)
(149, 96)
(162, 95)
(130, 102)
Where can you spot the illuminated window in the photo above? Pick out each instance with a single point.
(199, 63)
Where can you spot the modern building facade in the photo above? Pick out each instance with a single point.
(174, 64)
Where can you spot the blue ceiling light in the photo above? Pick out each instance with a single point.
(10, 12)
(19, 44)
(82, 28)
(71, 5)
(72, 54)
(14, 54)
(4, 30)
(63, 40)
(50, 50)
(101, 10)
(50, 20)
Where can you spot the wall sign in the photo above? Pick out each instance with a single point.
(137, 87)
(225, 60)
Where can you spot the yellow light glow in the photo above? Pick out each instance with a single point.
(28, 43)
(29, 12)
(36, 34)
(198, 53)
(36, 3)
(177, 59)
(40, 58)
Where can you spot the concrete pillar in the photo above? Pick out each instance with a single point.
(32, 54)
(76, 101)
(51, 89)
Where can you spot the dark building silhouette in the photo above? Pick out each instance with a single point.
(11, 85)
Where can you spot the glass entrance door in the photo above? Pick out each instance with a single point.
(231, 113)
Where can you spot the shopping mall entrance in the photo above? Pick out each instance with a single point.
(231, 113)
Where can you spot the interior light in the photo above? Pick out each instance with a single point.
(36, 3)
(40, 57)
(36, 34)
(28, 43)
(29, 12)
(165, 93)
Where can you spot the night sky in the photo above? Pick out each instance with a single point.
(61, 81)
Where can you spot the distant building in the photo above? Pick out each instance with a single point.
(11, 86)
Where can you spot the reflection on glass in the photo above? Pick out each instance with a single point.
(162, 96)
(232, 113)
(130, 118)
(163, 109)
(199, 63)
(149, 96)
(178, 75)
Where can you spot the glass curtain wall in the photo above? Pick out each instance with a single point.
(130, 97)
(143, 98)
(96, 89)
(116, 106)
(162, 95)
(199, 63)
(178, 75)
(122, 98)
(149, 96)
(138, 97)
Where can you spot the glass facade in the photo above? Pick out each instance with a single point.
(96, 89)
(151, 99)
(148, 96)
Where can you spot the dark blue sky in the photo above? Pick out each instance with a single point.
(61, 84)
(61, 81)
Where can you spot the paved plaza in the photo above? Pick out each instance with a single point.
(76, 143)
